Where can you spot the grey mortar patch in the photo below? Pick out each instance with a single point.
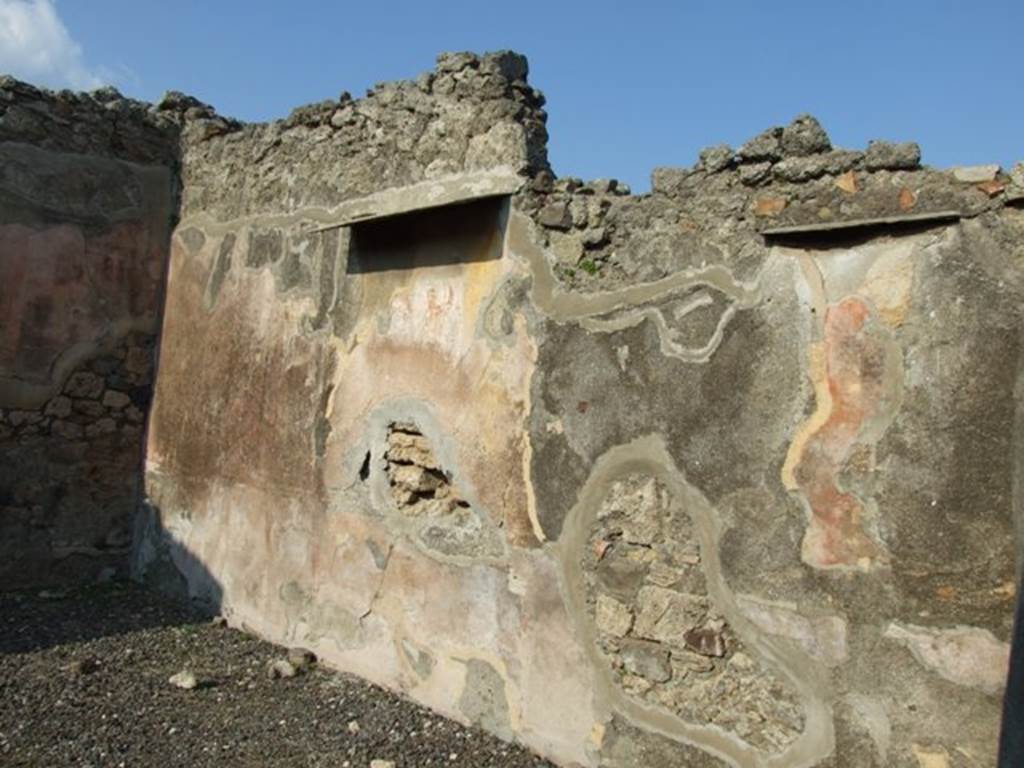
(221, 267)
(626, 746)
(484, 701)
(497, 321)
(193, 239)
(265, 247)
(380, 557)
(291, 273)
(330, 244)
(562, 305)
(293, 593)
(666, 302)
(420, 660)
(690, 327)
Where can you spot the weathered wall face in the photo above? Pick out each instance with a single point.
(86, 200)
(790, 578)
(719, 475)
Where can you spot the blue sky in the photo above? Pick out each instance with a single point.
(629, 85)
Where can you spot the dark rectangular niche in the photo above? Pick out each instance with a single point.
(852, 232)
(459, 233)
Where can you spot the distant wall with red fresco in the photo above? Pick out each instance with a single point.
(87, 201)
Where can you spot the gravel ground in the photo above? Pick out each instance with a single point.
(84, 682)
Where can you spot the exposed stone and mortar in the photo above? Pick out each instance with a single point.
(722, 474)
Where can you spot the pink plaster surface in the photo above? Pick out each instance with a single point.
(854, 376)
(64, 286)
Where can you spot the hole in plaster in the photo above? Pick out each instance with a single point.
(848, 234)
(364, 469)
(659, 629)
(419, 485)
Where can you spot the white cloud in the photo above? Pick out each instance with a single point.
(36, 46)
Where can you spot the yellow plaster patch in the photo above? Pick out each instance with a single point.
(1007, 590)
(888, 285)
(816, 370)
(927, 758)
(479, 281)
(531, 503)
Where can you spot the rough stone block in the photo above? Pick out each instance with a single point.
(666, 616)
(84, 385)
(668, 181)
(59, 407)
(647, 660)
(612, 616)
(718, 158)
(116, 400)
(766, 146)
(556, 216)
(975, 174)
(804, 136)
(884, 155)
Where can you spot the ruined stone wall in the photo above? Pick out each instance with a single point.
(87, 197)
(724, 474)
(295, 311)
(470, 114)
(773, 431)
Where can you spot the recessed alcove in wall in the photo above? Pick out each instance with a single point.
(458, 233)
(848, 233)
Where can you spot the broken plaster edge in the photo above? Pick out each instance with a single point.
(833, 226)
(436, 193)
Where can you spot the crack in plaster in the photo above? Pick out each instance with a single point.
(380, 585)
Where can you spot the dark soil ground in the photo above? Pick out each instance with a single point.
(84, 682)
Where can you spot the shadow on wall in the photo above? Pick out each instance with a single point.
(1011, 737)
(433, 237)
(84, 251)
(1011, 742)
(70, 471)
(162, 563)
(37, 619)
